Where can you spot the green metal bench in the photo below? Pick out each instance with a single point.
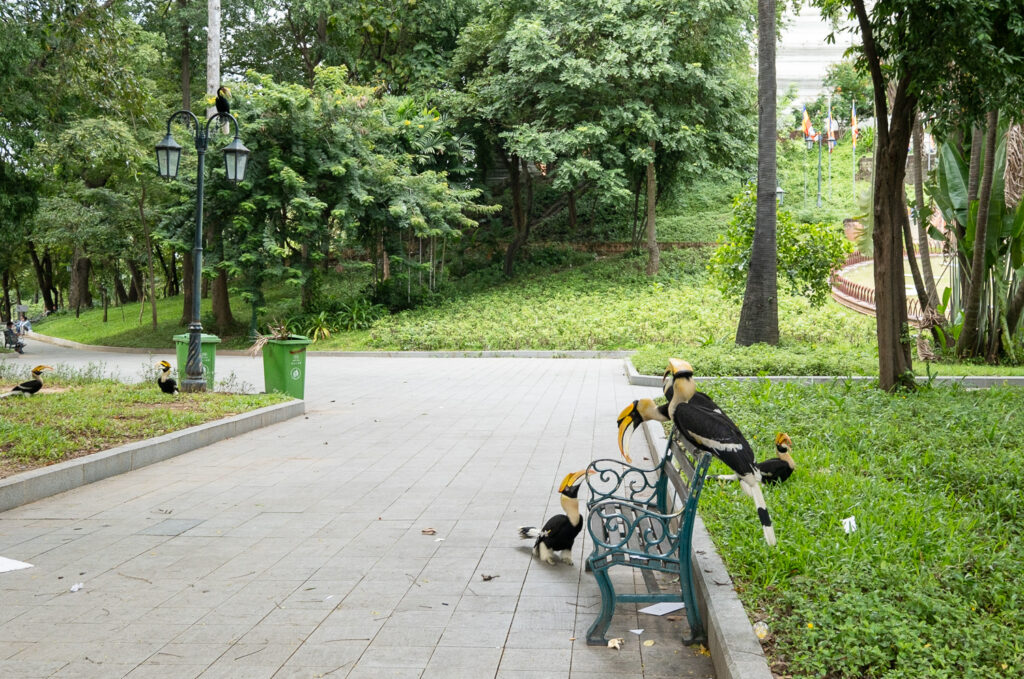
(643, 519)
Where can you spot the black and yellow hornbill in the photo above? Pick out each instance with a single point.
(705, 426)
(560, 531)
(775, 469)
(168, 384)
(221, 102)
(31, 386)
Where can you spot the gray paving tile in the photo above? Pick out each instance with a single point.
(304, 558)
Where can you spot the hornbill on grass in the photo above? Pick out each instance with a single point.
(31, 386)
(221, 102)
(700, 421)
(560, 531)
(168, 384)
(773, 470)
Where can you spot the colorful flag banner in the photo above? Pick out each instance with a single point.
(808, 128)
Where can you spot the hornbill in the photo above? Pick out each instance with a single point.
(561, 530)
(221, 102)
(168, 384)
(31, 386)
(700, 421)
(774, 470)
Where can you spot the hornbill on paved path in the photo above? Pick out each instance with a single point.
(221, 102)
(561, 530)
(31, 386)
(773, 470)
(168, 384)
(700, 421)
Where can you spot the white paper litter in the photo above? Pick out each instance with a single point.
(637, 632)
(12, 565)
(77, 586)
(662, 608)
(849, 524)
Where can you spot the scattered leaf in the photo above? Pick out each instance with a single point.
(649, 642)
(485, 577)
(429, 531)
(674, 618)
(616, 643)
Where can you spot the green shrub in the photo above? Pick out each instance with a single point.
(807, 253)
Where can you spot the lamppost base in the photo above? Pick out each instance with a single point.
(191, 386)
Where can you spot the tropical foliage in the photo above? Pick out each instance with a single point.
(807, 253)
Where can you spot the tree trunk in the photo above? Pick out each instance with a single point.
(892, 135)
(119, 291)
(149, 254)
(759, 317)
(520, 224)
(653, 253)
(923, 213)
(187, 276)
(163, 267)
(969, 341)
(7, 296)
(895, 363)
(43, 280)
(78, 288)
(221, 301)
(136, 292)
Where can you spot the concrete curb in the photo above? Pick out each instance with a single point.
(734, 647)
(37, 484)
(976, 382)
(480, 353)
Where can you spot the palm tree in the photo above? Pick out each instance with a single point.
(759, 318)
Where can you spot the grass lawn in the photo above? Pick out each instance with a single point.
(75, 415)
(604, 304)
(929, 583)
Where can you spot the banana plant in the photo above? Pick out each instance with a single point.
(1004, 247)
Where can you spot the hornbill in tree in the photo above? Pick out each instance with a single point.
(561, 530)
(773, 470)
(700, 421)
(31, 386)
(221, 102)
(168, 384)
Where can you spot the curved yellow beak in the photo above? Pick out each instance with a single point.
(629, 419)
(572, 479)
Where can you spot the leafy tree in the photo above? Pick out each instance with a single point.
(955, 61)
(807, 253)
(592, 94)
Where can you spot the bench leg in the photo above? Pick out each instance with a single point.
(689, 591)
(595, 635)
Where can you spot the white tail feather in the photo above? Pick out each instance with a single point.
(751, 485)
(529, 532)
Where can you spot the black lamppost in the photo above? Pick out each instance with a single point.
(168, 155)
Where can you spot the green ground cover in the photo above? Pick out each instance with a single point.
(605, 304)
(78, 413)
(928, 584)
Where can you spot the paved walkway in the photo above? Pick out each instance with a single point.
(297, 551)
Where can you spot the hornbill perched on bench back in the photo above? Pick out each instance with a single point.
(560, 531)
(700, 421)
(773, 470)
(31, 386)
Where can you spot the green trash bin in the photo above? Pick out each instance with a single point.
(207, 350)
(284, 365)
